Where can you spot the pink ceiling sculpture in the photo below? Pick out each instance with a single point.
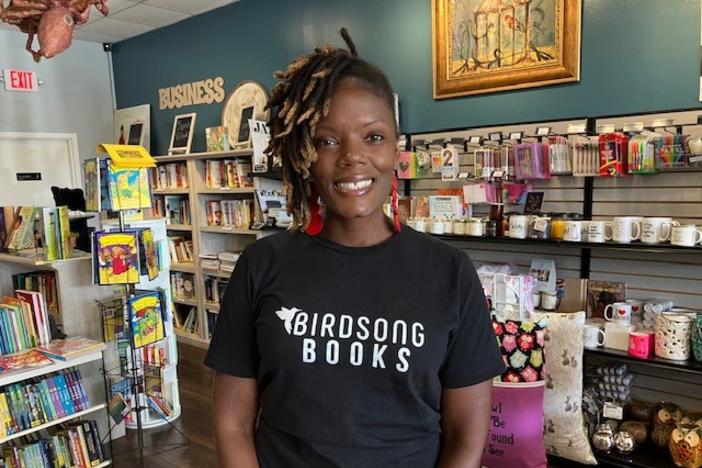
(52, 21)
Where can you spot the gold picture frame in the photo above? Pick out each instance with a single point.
(483, 46)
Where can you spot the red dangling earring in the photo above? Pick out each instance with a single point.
(395, 206)
(316, 223)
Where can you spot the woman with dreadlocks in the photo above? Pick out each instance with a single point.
(350, 341)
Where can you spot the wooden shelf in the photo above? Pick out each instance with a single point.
(267, 175)
(29, 259)
(219, 191)
(179, 227)
(183, 267)
(18, 376)
(53, 423)
(228, 230)
(217, 273)
(191, 339)
(187, 302)
(211, 307)
(205, 155)
(690, 365)
(171, 192)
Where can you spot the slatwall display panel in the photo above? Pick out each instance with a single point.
(567, 259)
(673, 276)
(561, 194)
(656, 384)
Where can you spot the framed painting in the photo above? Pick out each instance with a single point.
(483, 46)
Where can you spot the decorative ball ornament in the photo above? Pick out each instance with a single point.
(663, 414)
(603, 438)
(661, 435)
(624, 442)
(686, 446)
(635, 428)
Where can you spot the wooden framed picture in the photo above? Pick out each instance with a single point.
(482, 46)
(182, 134)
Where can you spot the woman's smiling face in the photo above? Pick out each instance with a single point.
(357, 147)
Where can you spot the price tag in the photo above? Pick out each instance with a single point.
(463, 175)
(498, 174)
(634, 127)
(543, 131)
(515, 135)
(475, 140)
(613, 411)
(606, 128)
(495, 136)
(576, 128)
(695, 159)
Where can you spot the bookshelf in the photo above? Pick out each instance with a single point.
(206, 238)
(55, 422)
(14, 377)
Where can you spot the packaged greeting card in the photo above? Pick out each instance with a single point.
(116, 257)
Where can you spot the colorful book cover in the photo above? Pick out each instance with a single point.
(118, 408)
(150, 255)
(65, 247)
(68, 348)
(117, 255)
(49, 233)
(129, 188)
(128, 156)
(146, 318)
(217, 139)
(22, 361)
(41, 319)
(22, 234)
(602, 293)
(91, 180)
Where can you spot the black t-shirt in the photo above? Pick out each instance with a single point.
(352, 346)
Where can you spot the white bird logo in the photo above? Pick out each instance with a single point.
(287, 316)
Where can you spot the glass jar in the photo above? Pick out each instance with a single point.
(558, 226)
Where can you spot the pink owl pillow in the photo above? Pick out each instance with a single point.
(522, 347)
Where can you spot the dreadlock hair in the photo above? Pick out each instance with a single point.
(300, 100)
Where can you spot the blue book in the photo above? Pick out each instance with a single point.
(64, 395)
(46, 400)
(84, 400)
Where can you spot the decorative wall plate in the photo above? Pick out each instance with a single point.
(246, 101)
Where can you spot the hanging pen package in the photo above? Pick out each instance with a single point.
(531, 161)
(613, 154)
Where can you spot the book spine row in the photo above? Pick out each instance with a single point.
(236, 213)
(228, 173)
(214, 289)
(181, 249)
(35, 402)
(171, 176)
(76, 446)
(43, 282)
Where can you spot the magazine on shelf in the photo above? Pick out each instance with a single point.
(129, 188)
(116, 257)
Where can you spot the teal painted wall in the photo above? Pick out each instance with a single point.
(637, 56)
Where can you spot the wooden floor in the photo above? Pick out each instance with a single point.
(195, 423)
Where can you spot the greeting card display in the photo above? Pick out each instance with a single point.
(116, 258)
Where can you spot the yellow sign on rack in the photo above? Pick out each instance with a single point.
(127, 156)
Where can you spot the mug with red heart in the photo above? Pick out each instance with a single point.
(619, 312)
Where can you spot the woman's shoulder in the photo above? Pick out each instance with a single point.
(272, 245)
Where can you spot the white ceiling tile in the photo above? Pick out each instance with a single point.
(149, 15)
(189, 6)
(116, 28)
(117, 5)
(93, 37)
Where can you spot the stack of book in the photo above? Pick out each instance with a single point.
(70, 348)
(78, 445)
(153, 355)
(209, 261)
(227, 173)
(227, 260)
(38, 401)
(23, 361)
(181, 249)
(160, 406)
(229, 213)
(182, 286)
(38, 228)
(24, 322)
(171, 176)
(187, 320)
(43, 282)
(214, 289)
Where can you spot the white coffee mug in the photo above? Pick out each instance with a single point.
(656, 230)
(597, 231)
(593, 336)
(518, 226)
(619, 312)
(436, 226)
(686, 236)
(636, 306)
(626, 229)
(573, 231)
(459, 227)
(420, 225)
(474, 227)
